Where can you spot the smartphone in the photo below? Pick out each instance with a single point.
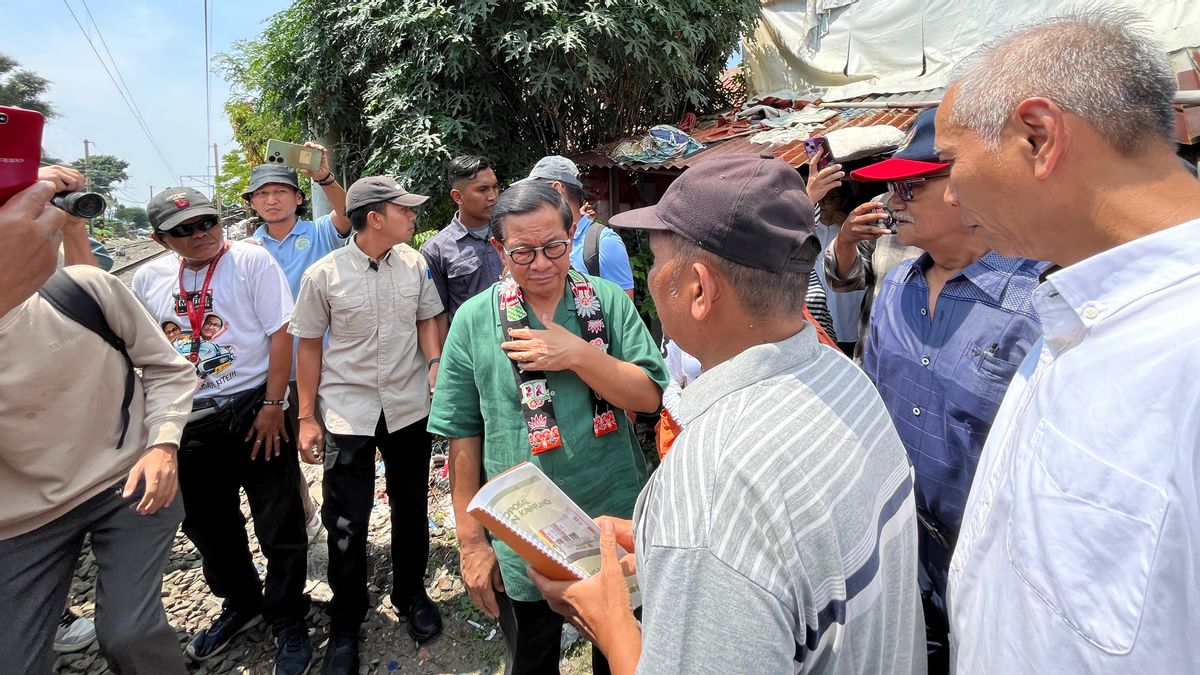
(20, 149)
(888, 223)
(812, 145)
(293, 155)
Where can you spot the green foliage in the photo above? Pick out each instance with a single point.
(134, 215)
(104, 172)
(407, 84)
(22, 88)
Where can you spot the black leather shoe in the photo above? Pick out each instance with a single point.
(213, 640)
(341, 656)
(424, 619)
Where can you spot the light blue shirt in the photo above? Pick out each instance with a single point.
(307, 243)
(614, 259)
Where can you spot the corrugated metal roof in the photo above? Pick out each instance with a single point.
(791, 152)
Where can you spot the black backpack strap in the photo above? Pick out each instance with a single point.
(69, 298)
(591, 248)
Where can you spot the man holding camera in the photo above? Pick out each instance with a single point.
(75, 460)
(236, 436)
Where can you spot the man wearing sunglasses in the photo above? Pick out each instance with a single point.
(947, 333)
(540, 367)
(236, 436)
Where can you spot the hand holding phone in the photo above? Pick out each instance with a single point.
(294, 155)
(816, 144)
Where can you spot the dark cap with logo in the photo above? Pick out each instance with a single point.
(265, 174)
(375, 189)
(915, 156)
(175, 205)
(746, 209)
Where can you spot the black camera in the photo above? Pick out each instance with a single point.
(276, 158)
(80, 204)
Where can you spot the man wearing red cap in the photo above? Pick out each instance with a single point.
(947, 333)
(784, 513)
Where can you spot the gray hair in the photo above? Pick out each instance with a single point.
(526, 197)
(763, 294)
(1101, 65)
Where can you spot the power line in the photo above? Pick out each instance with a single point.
(127, 98)
(64, 129)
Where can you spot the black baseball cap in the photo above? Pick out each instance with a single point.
(750, 210)
(375, 189)
(175, 205)
(265, 174)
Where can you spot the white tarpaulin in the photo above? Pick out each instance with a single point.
(840, 49)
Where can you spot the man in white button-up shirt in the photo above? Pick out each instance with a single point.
(1080, 543)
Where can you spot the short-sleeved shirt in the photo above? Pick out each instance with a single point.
(614, 258)
(373, 362)
(248, 301)
(477, 395)
(461, 263)
(308, 242)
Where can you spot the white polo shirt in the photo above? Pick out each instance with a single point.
(1080, 546)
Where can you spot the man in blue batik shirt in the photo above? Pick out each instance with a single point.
(947, 333)
(275, 195)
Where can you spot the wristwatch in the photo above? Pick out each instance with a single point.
(267, 401)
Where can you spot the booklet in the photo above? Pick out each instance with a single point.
(527, 511)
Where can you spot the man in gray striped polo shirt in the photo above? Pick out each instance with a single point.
(779, 535)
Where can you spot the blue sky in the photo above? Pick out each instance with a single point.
(159, 48)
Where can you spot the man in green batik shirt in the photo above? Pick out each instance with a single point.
(546, 329)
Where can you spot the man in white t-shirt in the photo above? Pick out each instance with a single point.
(229, 304)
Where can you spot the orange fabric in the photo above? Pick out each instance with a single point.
(665, 433)
(822, 336)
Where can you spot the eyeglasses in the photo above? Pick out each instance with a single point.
(904, 188)
(186, 229)
(553, 251)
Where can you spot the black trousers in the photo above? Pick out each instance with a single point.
(349, 489)
(213, 465)
(532, 632)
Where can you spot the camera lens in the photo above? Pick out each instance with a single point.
(81, 204)
(3, 118)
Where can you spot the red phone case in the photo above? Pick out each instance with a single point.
(20, 149)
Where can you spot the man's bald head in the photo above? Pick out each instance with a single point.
(1102, 66)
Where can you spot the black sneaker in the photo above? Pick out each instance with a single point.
(424, 619)
(293, 651)
(213, 640)
(341, 656)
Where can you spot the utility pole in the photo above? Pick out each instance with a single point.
(216, 178)
(87, 175)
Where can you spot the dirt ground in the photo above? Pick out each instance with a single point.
(470, 643)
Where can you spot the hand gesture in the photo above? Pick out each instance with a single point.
(268, 429)
(863, 224)
(820, 182)
(323, 170)
(481, 574)
(158, 469)
(65, 178)
(311, 440)
(599, 606)
(552, 349)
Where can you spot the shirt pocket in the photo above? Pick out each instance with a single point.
(350, 317)
(460, 275)
(1082, 535)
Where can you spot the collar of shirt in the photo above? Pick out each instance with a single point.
(457, 229)
(752, 365)
(362, 262)
(990, 274)
(581, 230)
(1076, 298)
(301, 227)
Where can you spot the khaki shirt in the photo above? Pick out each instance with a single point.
(372, 361)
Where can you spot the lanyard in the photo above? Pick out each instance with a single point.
(195, 308)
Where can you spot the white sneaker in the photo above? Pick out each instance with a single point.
(314, 528)
(74, 633)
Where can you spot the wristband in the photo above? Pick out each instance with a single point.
(434, 361)
(267, 401)
(327, 180)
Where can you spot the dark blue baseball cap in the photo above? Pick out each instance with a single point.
(915, 156)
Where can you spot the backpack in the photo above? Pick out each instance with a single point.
(69, 298)
(591, 248)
